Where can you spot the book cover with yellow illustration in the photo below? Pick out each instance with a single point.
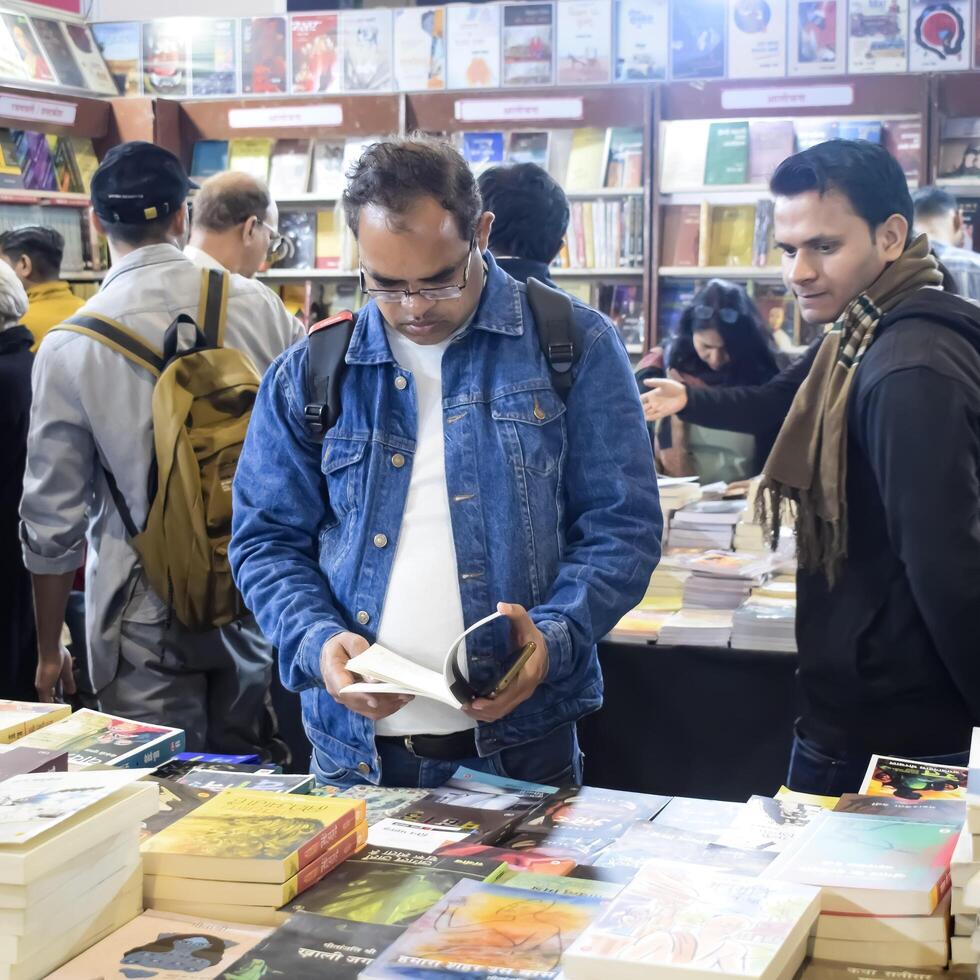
(479, 929)
(248, 835)
(20, 718)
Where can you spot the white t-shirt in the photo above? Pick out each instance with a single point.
(423, 611)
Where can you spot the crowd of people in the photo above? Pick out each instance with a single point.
(470, 465)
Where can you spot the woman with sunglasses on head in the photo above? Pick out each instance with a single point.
(721, 341)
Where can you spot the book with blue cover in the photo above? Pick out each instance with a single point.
(483, 150)
(210, 158)
(697, 39)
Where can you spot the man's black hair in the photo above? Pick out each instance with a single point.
(395, 173)
(934, 202)
(43, 246)
(138, 235)
(530, 211)
(863, 172)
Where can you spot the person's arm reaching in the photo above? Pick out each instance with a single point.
(920, 432)
(754, 410)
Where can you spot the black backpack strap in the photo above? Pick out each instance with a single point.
(555, 319)
(326, 354)
(213, 307)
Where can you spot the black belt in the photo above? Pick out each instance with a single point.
(445, 748)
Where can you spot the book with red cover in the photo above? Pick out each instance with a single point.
(682, 229)
(770, 142)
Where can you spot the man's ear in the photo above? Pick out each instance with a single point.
(95, 223)
(249, 226)
(24, 267)
(892, 234)
(483, 230)
(180, 226)
(957, 221)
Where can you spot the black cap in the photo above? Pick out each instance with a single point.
(138, 182)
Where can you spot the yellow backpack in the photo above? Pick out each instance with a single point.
(202, 402)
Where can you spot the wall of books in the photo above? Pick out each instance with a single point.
(571, 43)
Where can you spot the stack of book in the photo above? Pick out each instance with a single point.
(698, 628)
(677, 492)
(965, 870)
(705, 525)
(882, 861)
(764, 623)
(70, 869)
(95, 739)
(243, 854)
(675, 914)
(20, 718)
(723, 579)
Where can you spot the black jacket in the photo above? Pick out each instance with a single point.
(524, 269)
(18, 657)
(890, 657)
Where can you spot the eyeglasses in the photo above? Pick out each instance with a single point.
(726, 314)
(434, 293)
(277, 242)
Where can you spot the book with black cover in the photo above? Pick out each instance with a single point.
(55, 46)
(484, 826)
(310, 947)
(298, 228)
(176, 801)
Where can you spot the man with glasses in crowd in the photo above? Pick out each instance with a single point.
(456, 482)
(234, 224)
(92, 423)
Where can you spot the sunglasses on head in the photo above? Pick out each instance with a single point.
(726, 314)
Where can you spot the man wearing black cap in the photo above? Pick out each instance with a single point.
(92, 418)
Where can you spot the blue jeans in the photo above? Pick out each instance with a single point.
(555, 760)
(813, 770)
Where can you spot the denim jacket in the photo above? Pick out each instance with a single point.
(553, 505)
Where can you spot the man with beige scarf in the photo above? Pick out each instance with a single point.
(880, 454)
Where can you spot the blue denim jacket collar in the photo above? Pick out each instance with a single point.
(499, 311)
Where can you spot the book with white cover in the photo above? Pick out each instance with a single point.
(893, 954)
(474, 48)
(386, 672)
(756, 39)
(725, 924)
(886, 928)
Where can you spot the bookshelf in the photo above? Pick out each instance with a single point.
(690, 190)
(566, 110)
(956, 113)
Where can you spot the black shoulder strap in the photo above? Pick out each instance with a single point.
(115, 336)
(326, 354)
(555, 319)
(213, 306)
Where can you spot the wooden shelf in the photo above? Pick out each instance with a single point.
(303, 275)
(720, 272)
(13, 195)
(605, 192)
(738, 195)
(597, 273)
(86, 275)
(304, 200)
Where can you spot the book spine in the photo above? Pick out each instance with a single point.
(704, 234)
(329, 836)
(156, 753)
(312, 873)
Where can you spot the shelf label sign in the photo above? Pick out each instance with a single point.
(788, 97)
(37, 110)
(516, 110)
(289, 116)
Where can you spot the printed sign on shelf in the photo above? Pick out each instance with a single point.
(284, 117)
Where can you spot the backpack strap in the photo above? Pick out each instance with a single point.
(117, 337)
(554, 316)
(212, 310)
(326, 354)
(131, 346)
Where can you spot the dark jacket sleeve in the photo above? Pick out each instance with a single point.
(919, 428)
(756, 410)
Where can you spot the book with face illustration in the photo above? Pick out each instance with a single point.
(484, 930)
(387, 672)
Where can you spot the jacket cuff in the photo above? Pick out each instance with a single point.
(559, 642)
(309, 650)
(57, 564)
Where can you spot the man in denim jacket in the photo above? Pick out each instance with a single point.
(455, 479)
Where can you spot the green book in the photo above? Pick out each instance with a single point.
(728, 153)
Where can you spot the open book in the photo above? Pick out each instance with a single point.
(386, 672)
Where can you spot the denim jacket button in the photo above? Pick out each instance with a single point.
(398, 461)
(363, 768)
(401, 383)
(363, 618)
(381, 540)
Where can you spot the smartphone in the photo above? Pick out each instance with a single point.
(515, 668)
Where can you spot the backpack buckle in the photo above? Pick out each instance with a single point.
(315, 417)
(561, 357)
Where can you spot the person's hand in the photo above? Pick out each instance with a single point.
(54, 677)
(333, 666)
(522, 630)
(667, 397)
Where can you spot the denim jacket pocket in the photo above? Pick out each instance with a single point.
(535, 427)
(342, 469)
